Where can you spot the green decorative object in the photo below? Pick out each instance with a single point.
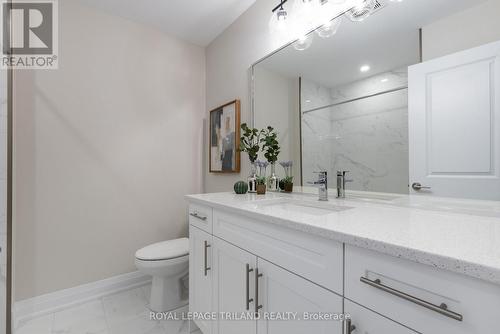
(241, 187)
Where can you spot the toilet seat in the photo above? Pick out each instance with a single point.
(165, 250)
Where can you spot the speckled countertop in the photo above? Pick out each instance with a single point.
(462, 236)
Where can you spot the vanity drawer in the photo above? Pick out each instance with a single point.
(411, 293)
(363, 320)
(314, 258)
(201, 217)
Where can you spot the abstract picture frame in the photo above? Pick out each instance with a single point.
(224, 138)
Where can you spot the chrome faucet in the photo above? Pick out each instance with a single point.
(341, 181)
(322, 186)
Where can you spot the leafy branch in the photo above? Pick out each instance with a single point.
(250, 141)
(270, 144)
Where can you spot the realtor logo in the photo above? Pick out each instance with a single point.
(29, 34)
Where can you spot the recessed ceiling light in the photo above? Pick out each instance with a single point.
(365, 68)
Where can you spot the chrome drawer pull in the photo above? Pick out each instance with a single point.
(248, 299)
(206, 268)
(196, 215)
(257, 276)
(441, 309)
(349, 327)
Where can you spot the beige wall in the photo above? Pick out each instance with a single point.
(229, 58)
(473, 27)
(105, 149)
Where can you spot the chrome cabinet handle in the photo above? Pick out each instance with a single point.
(417, 186)
(257, 276)
(441, 309)
(196, 215)
(248, 299)
(206, 268)
(349, 327)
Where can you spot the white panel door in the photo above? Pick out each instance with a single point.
(233, 289)
(200, 276)
(280, 291)
(365, 321)
(454, 125)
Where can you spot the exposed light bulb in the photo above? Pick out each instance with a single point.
(278, 22)
(303, 42)
(364, 68)
(281, 14)
(329, 28)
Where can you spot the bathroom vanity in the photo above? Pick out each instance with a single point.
(393, 264)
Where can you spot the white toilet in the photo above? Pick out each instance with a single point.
(168, 263)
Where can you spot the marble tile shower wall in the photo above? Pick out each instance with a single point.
(368, 137)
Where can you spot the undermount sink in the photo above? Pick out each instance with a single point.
(302, 207)
(372, 196)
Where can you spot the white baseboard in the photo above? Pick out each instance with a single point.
(28, 309)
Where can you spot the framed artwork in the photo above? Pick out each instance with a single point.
(225, 138)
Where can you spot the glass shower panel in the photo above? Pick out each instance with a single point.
(367, 137)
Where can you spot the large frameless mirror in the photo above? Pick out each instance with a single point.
(339, 98)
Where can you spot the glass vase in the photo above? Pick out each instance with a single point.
(273, 181)
(252, 178)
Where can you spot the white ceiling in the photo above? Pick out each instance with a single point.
(195, 21)
(387, 40)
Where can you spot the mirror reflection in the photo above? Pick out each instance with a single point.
(340, 103)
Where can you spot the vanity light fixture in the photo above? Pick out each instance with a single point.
(323, 16)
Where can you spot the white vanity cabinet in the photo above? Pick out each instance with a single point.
(246, 265)
(233, 287)
(232, 280)
(200, 276)
(281, 291)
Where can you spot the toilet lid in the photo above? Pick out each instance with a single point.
(164, 250)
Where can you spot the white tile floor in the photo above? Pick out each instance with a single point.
(122, 313)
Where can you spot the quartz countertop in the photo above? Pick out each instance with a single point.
(458, 235)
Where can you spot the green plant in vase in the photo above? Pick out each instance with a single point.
(261, 185)
(250, 143)
(271, 149)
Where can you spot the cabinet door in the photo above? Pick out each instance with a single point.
(280, 291)
(233, 287)
(364, 321)
(454, 125)
(200, 276)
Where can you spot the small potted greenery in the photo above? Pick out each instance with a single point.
(261, 185)
(271, 149)
(250, 143)
(287, 183)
